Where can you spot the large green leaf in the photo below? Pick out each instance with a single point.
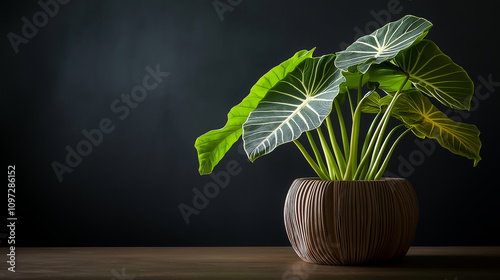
(352, 80)
(417, 111)
(383, 44)
(371, 103)
(435, 74)
(300, 102)
(213, 145)
(388, 76)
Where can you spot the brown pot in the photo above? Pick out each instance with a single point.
(351, 222)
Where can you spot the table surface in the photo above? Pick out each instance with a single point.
(136, 263)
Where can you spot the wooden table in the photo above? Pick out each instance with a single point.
(451, 263)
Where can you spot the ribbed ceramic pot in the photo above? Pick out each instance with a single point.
(351, 222)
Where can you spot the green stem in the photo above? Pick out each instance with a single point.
(380, 135)
(311, 162)
(316, 152)
(350, 105)
(364, 169)
(355, 127)
(352, 163)
(369, 134)
(380, 129)
(373, 168)
(356, 122)
(389, 154)
(371, 147)
(360, 87)
(336, 149)
(332, 166)
(345, 138)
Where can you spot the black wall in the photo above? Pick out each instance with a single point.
(71, 73)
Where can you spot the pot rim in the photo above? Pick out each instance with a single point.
(379, 180)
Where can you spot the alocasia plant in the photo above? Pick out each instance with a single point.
(304, 93)
(213, 145)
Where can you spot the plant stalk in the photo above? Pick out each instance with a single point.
(336, 149)
(352, 163)
(380, 135)
(380, 130)
(356, 122)
(364, 169)
(332, 165)
(369, 134)
(345, 138)
(311, 162)
(317, 153)
(373, 168)
(389, 154)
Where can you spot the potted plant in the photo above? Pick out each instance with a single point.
(350, 214)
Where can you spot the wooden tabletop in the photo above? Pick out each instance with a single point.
(451, 263)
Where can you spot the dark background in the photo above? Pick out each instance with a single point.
(127, 191)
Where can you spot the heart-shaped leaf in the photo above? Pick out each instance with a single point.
(416, 110)
(352, 80)
(383, 44)
(213, 145)
(388, 76)
(299, 102)
(370, 103)
(435, 74)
